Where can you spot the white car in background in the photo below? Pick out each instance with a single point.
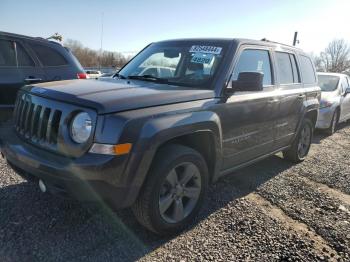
(335, 101)
(158, 71)
(93, 73)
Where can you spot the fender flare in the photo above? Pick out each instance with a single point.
(157, 131)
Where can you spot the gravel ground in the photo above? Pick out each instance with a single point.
(272, 211)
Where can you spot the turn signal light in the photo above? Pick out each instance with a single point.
(105, 149)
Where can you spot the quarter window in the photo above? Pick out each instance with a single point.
(307, 70)
(252, 60)
(48, 56)
(7, 53)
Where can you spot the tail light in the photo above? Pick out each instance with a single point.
(82, 76)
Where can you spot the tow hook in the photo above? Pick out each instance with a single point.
(42, 186)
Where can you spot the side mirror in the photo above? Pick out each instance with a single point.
(248, 81)
(347, 91)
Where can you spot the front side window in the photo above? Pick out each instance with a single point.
(7, 53)
(307, 70)
(48, 56)
(252, 60)
(183, 63)
(328, 83)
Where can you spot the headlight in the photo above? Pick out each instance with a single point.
(81, 128)
(325, 103)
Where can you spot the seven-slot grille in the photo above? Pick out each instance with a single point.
(36, 122)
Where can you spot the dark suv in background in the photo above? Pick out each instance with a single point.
(154, 142)
(28, 60)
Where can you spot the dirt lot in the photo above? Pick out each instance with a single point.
(272, 211)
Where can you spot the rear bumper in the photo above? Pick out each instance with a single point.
(92, 177)
(325, 116)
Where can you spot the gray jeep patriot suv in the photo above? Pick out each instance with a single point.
(178, 116)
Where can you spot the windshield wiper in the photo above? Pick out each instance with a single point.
(119, 76)
(149, 78)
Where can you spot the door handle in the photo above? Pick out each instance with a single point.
(273, 101)
(30, 80)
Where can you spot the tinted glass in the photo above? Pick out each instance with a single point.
(284, 68)
(48, 56)
(7, 53)
(328, 83)
(254, 61)
(23, 58)
(307, 70)
(296, 76)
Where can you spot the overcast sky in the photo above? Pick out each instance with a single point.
(129, 25)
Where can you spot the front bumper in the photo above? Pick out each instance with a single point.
(325, 116)
(92, 177)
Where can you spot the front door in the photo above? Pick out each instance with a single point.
(345, 100)
(248, 118)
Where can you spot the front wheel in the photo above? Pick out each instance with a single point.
(174, 190)
(301, 145)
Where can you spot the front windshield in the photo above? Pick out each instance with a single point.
(328, 83)
(183, 63)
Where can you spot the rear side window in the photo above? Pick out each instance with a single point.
(307, 70)
(23, 57)
(7, 53)
(286, 68)
(48, 56)
(252, 60)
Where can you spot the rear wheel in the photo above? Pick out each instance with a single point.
(174, 190)
(301, 145)
(333, 128)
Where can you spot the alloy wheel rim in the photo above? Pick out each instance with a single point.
(180, 192)
(304, 141)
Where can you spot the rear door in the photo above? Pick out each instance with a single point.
(10, 78)
(56, 67)
(291, 96)
(29, 67)
(248, 118)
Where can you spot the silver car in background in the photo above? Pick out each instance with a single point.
(335, 101)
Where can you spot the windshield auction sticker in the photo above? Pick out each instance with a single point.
(206, 49)
(201, 58)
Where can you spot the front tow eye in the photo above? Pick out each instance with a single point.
(42, 186)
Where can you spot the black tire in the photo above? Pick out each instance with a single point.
(147, 206)
(334, 123)
(293, 154)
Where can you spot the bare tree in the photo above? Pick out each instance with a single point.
(90, 58)
(335, 58)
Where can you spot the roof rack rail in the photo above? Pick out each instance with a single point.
(267, 40)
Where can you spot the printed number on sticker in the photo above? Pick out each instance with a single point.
(206, 49)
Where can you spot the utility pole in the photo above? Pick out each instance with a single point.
(295, 40)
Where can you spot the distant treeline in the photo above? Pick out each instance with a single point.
(93, 58)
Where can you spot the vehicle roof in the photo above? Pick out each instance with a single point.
(331, 74)
(40, 39)
(239, 41)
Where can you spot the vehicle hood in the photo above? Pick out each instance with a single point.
(115, 95)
